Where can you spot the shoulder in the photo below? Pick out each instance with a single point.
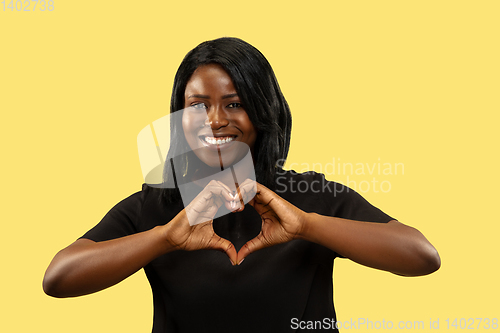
(120, 221)
(132, 206)
(137, 199)
(141, 211)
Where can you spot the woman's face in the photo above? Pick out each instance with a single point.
(214, 121)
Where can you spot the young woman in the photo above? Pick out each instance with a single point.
(289, 236)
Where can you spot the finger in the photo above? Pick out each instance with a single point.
(215, 192)
(251, 246)
(237, 205)
(247, 190)
(238, 195)
(222, 244)
(203, 208)
(211, 193)
(206, 204)
(261, 196)
(266, 200)
(234, 205)
(230, 202)
(220, 189)
(228, 190)
(233, 202)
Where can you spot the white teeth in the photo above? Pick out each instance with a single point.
(218, 141)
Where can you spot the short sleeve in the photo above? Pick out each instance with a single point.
(120, 221)
(346, 203)
(312, 192)
(354, 207)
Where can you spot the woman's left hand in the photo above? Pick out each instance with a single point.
(281, 221)
(391, 246)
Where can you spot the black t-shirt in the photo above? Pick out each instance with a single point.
(276, 289)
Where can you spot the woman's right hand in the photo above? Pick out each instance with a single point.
(192, 229)
(86, 266)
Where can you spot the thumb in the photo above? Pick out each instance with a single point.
(251, 246)
(226, 246)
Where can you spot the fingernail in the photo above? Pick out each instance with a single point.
(233, 205)
(241, 261)
(232, 263)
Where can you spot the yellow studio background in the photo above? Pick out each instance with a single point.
(372, 82)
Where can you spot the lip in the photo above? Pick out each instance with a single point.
(216, 147)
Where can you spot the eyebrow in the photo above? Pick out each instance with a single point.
(199, 96)
(207, 97)
(230, 96)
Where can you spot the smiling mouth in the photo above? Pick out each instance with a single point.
(210, 140)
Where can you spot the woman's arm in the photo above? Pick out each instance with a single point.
(86, 266)
(392, 246)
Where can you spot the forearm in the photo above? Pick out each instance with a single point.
(85, 266)
(392, 246)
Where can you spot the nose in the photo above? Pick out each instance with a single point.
(217, 118)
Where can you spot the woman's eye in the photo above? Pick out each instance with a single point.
(199, 106)
(234, 105)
